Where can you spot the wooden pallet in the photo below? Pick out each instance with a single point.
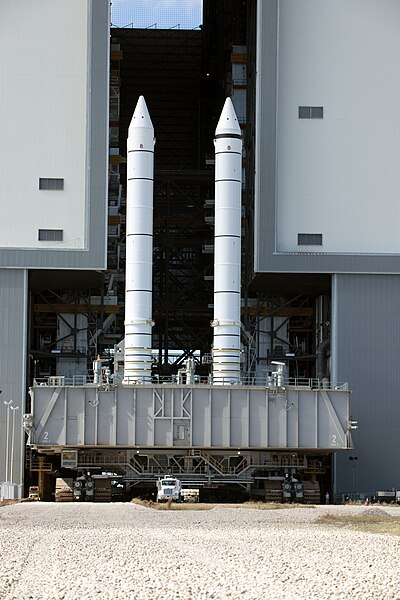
(64, 490)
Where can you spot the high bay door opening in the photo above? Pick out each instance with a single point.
(268, 437)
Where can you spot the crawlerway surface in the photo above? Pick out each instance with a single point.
(123, 551)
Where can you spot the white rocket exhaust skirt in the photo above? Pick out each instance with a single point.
(227, 273)
(139, 248)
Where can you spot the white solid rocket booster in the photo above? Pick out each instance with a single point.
(228, 192)
(139, 247)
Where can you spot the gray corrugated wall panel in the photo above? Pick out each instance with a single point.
(366, 328)
(258, 419)
(144, 417)
(13, 360)
(97, 172)
(307, 434)
(107, 419)
(220, 410)
(265, 258)
(236, 433)
(201, 414)
(126, 426)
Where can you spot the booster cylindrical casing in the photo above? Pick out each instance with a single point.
(139, 248)
(227, 248)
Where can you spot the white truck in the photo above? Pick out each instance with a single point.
(168, 488)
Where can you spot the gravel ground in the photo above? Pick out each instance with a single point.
(123, 551)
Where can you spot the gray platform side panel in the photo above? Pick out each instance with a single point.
(13, 353)
(190, 416)
(366, 351)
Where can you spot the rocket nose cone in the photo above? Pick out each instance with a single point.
(228, 122)
(141, 117)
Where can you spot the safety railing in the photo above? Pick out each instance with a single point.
(266, 382)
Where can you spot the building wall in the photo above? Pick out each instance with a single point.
(53, 124)
(337, 176)
(13, 357)
(54, 78)
(366, 352)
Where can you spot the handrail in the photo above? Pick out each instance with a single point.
(298, 382)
